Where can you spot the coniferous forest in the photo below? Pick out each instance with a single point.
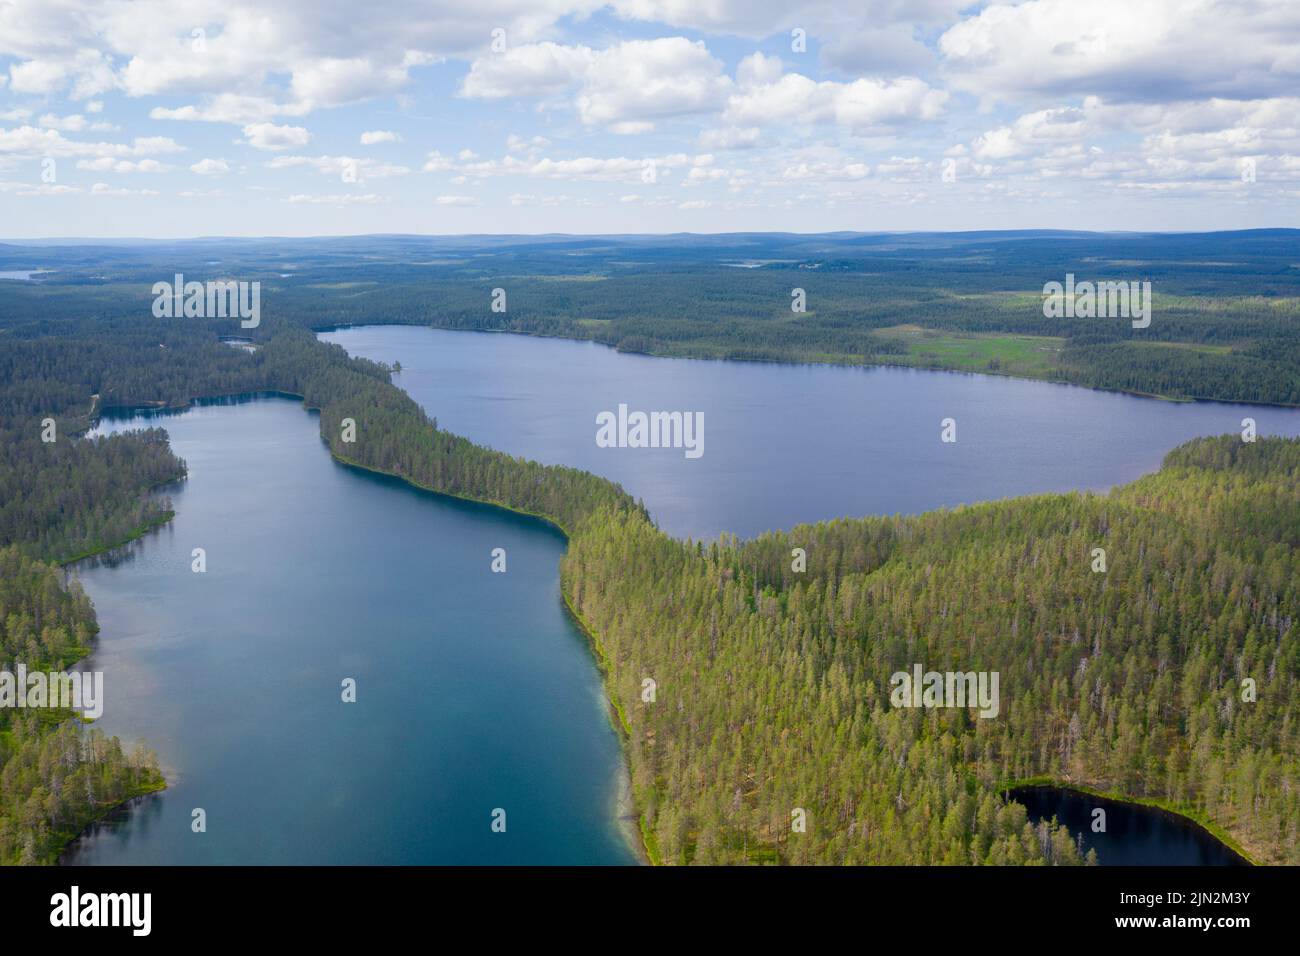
(1169, 676)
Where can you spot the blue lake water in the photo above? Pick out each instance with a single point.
(785, 444)
(475, 691)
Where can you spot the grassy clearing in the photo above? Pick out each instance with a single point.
(1029, 356)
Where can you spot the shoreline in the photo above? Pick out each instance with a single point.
(831, 361)
(642, 847)
(108, 813)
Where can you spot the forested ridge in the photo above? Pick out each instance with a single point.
(772, 684)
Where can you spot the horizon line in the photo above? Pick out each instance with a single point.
(644, 235)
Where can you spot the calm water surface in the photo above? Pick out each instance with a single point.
(1135, 835)
(474, 689)
(786, 444)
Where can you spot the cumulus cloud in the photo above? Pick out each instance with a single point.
(293, 55)
(270, 137)
(211, 167)
(628, 86)
(526, 144)
(1157, 50)
(31, 141)
(862, 106)
(731, 137)
(106, 164)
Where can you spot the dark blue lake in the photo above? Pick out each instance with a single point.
(785, 444)
(1134, 835)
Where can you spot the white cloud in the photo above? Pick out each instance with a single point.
(537, 69)
(38, 189)
(106, 164)
(37, 76)
(435, 162)
(270, 137)
(826, 172)
(1153, 51)
(67, 124)
(861, 106)
(30, 141)
(731, 137)
(521, 144)
(758, 69)
(231, 108)
(456, 201)
(644, 80)
(628, 86)
(211, 167)
(376, 136)
(334, 81)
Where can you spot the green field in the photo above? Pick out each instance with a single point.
(1028, 356)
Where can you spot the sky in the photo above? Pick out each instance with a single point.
(320, 117)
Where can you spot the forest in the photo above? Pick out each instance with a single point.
(1224, 324)
(772, 682)
(56, 776)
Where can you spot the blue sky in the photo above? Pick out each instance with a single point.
(287, 117)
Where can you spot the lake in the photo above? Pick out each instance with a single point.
(475, 691)
(1134, 836)
(785, 444)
